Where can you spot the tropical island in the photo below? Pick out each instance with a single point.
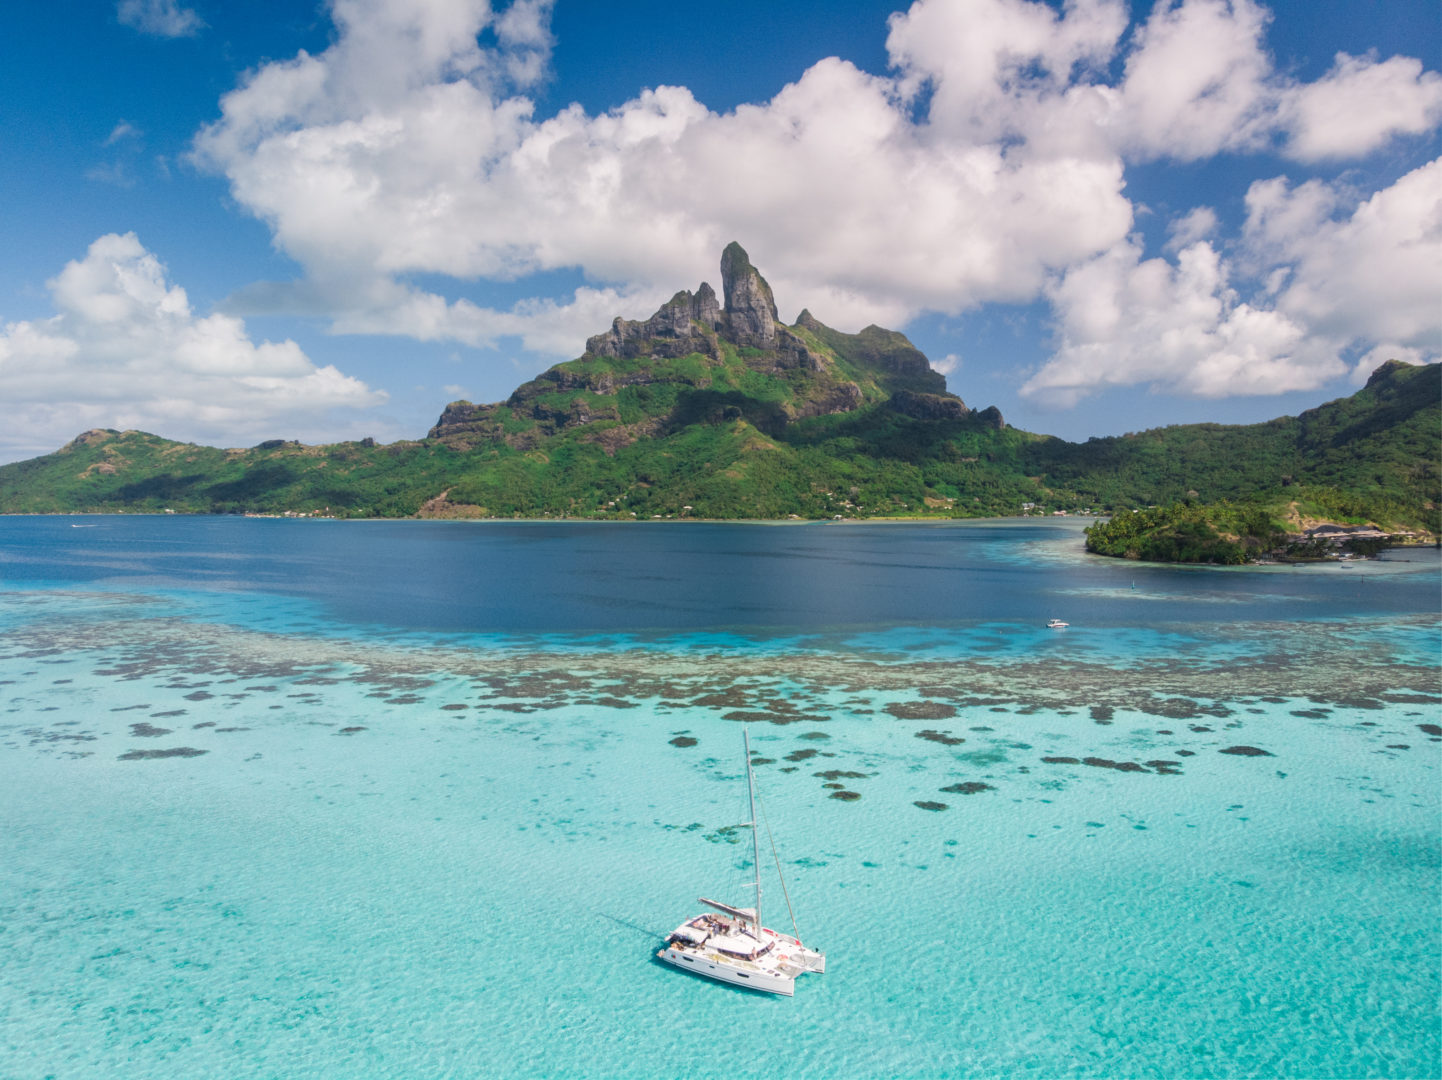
(713, 408)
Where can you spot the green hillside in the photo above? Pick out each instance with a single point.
(1382, 444)
(713, 408)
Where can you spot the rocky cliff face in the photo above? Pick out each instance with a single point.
(990, 417)
(824, 371)
(697, 323)
(685, 324)
(928, 406)
(751, 317)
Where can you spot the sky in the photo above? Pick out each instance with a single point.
(225, 223)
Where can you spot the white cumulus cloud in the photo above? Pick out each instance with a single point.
(1197, 81)
(372, 163)
(1370, 269)
(1359, 105)
(988, 165)
(125, 350)
(1180, 327)
(1332, 278)
(1196, 224)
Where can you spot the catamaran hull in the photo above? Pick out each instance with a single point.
(751, 980)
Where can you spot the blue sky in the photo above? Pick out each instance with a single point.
(226, 223)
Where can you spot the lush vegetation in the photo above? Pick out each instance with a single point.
(842, 425)
(1224, 533)
(132, 471)
(1377, 451)
(1232, 533)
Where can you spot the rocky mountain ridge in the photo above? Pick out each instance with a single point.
(825, 371)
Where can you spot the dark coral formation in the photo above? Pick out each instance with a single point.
(1098, 763)
(150, 755)
(921, 710)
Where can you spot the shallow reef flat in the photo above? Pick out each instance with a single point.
(240, 837)
(1164, 673)
(1178, 700)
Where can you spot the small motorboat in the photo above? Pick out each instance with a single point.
(1056, 624)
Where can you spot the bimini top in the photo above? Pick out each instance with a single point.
(693, 934)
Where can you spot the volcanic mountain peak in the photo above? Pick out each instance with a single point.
(697, 323)
(700, 358)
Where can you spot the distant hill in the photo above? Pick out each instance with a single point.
(1385, 442)
(714, 408)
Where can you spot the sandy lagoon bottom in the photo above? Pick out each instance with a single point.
(242, 853)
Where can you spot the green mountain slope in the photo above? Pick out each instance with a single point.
(713, 408)
(1382, 443)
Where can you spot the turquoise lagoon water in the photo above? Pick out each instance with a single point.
(322, 799)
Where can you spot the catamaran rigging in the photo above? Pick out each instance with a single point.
(740, 949)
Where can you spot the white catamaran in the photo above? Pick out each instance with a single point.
(734, 946)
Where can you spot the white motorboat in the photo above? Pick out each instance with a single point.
(1056, 624)
(732, 945)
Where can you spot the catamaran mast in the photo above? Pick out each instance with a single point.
(755, 830)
